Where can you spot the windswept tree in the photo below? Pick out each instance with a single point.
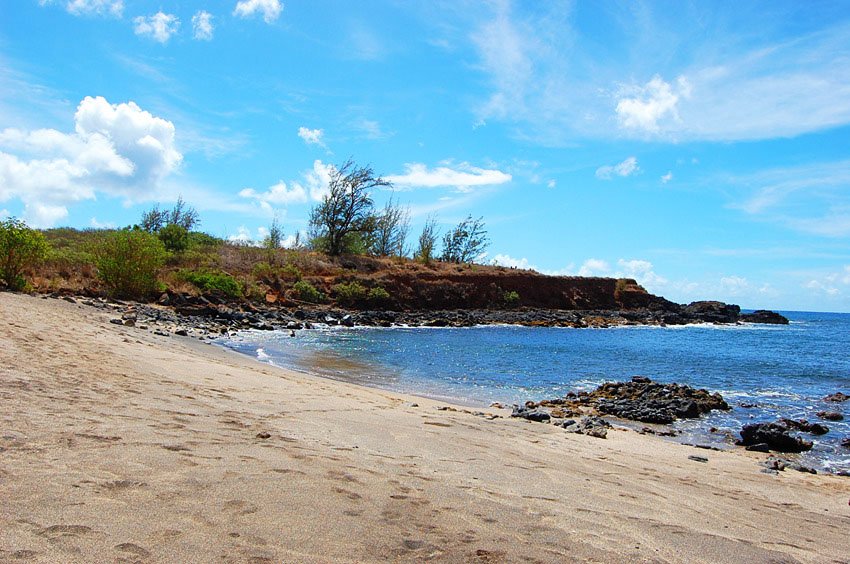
(273, 240)
(344, 218)
(182, 215)
(466, 242)
(427, 241)
(389, 236)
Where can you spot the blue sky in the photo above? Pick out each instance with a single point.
(702, 148)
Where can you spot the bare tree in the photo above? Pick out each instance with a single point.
(465, 242)
(427, 241)
(389, 237)
(345, 216)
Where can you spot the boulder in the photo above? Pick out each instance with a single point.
(651, 402)
(712, 312)
(837, 397)
(830, 415)
(774, 435)
(764, 316)
(531, 414)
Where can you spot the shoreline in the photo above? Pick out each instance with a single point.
(201, 453)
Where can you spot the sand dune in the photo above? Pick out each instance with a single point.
(119, 445)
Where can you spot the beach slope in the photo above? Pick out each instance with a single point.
(120, 445)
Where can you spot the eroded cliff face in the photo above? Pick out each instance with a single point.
(487, 289)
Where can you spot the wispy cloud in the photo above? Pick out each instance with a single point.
(463, 177)
(114, 8)
(628, 167)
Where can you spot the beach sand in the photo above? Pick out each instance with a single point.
(122, 446)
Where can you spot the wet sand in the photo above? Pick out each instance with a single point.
(120, 445)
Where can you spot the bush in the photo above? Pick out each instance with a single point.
(20, 248)
(128, 262)
(349, 294)
(212, 281)
(174, 237)
(306, 292)
(511, 298)
(378, 295)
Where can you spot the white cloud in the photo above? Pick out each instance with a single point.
(643, 107)
(463, 177)
(116, 149)
(594, 267)
(643, 272)
(551, 184)
(831, 284)
(667, 177)
(242, 235)
(202, 26)
(314, 186)
(311, 136)
(279, 194)
(626, 168)
(93, 222)
(114, 8)
(509, 261)
(159, 27)
(370, 129)
(270, 9)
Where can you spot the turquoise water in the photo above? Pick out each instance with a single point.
(784, 370)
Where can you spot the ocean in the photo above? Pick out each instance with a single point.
(785, 371)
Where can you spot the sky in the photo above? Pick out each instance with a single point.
(702, 148)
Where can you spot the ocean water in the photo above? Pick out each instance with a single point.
(784, 370)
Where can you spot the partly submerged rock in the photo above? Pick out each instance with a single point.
(651, 402)
(774, 435)
(837, 397)
(764, 316)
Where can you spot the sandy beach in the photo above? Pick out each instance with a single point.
(122, 446)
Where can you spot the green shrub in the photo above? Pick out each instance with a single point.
(199, 239)
(350, 294)
(306, 292)
(378, 295)
(174, 237)
(20, 248)
(128, 262)
(511, 298)
(212, 281)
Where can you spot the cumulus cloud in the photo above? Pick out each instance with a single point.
(116, 149)
(511, 262)
(594, 267)
(311, 136)
(667, 177)
(202, 26)
(643, 107)
(312, 186)
(159, 27)
(642, 271)
(462, 177)
(831, 284)
(628, 167)
(270, 9)
(114, 8)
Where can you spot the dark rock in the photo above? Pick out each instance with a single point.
(759, 447)
(830, 415)
(845, 442)
(641, 380)
(347, 321)
(652, 402)
(531, 414)
(748, 405)
(800, 468)
(837, 397)
(764, 316)
(774, 435)
(591, 426)
(775, 464)
(117, 321)
(182, 332)
(712, 312)
(805, 426)
(69, 299)
(263, 435)
(696, 458)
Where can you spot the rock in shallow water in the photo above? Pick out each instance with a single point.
(652, 402)
(774, 435)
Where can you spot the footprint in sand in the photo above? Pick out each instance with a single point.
(56, 531)
(132, 548)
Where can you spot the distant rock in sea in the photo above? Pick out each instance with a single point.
(764, 316)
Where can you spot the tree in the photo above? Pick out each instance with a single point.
(427, 241)
(344, 218)
(181, 214)
(390, 233)
(174, 237)
(20, 248)
(465, 242)
(273, 240)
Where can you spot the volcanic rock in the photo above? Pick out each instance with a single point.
(774, 435)
(652, 402)
(830, 415)
(837, 397)
(764, 316)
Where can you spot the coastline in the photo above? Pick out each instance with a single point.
(119, 443)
